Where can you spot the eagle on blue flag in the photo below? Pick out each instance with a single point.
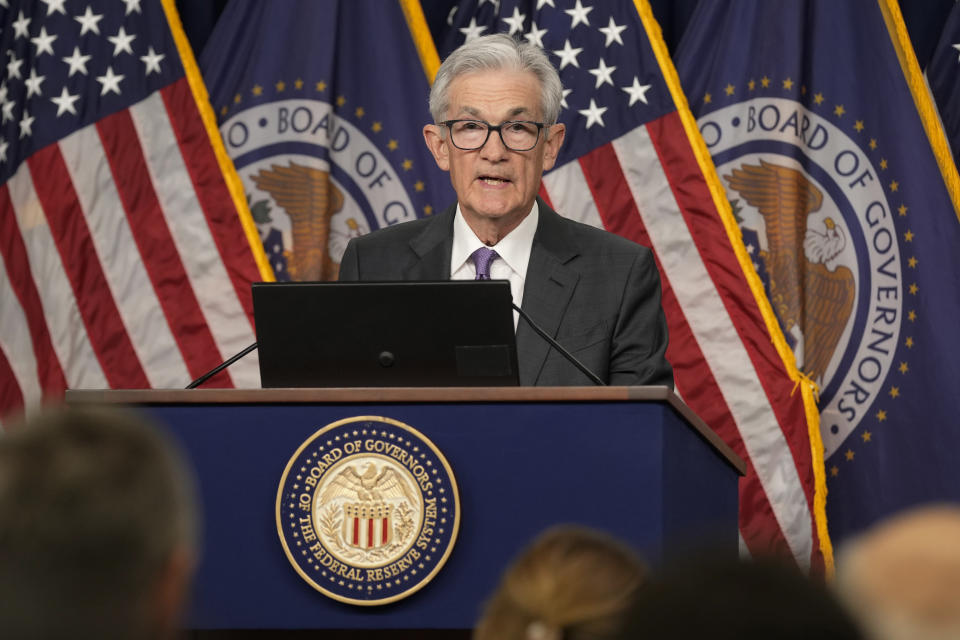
(817, 312)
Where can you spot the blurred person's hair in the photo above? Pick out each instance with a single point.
(722, 597)
(571, 583)
(97, 527)
(901, 578)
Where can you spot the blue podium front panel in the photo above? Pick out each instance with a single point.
(630, 468)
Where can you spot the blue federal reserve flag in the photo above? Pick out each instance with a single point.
(846, 195)
(321, 106)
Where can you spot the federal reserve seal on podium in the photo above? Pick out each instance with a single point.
(368, 510)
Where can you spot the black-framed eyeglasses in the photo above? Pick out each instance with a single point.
(516, 135)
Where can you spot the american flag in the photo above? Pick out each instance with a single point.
(124, 263)
(634, 163)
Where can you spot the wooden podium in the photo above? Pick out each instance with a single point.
(634, 461)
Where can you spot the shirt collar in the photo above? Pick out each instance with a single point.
(513, 249)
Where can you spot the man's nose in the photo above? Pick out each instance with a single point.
(493, 149)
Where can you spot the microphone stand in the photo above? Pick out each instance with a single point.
(556, 345)
(209, 374)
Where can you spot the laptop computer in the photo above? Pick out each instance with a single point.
(374, 334)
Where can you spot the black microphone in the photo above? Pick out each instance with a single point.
(220, 367)
(556, 345)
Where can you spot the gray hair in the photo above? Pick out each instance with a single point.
(493, 53)
(93, 505)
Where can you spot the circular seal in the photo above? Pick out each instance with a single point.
(368, 510)
(818, 216)
(315, 180)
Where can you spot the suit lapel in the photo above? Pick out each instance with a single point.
(549, 285)
(433, 247)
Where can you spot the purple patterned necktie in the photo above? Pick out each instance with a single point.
(482, 258)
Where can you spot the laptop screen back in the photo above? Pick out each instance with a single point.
(375, 334)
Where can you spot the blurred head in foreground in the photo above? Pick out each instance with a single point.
(725, 598)
(571, 583)
(97, 527)
(902, 577)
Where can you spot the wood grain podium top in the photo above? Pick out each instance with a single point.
(432, 395)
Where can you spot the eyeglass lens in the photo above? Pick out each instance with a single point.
(471, 134)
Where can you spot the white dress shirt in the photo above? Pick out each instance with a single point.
(513, 249)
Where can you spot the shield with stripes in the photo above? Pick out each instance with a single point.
(367, 525)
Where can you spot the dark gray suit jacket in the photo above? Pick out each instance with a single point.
(594, 292)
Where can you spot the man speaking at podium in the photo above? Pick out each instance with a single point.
(495, 104)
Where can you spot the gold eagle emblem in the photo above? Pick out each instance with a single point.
(804, 292)
(368, 519)
(311, 199)
(371, 485)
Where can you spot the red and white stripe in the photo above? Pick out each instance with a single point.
(124, 263)
(647, 186)
(368, 533)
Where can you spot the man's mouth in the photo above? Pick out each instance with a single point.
(494, 181)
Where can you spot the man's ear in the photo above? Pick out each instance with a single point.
(552, 145)
(438, 145)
